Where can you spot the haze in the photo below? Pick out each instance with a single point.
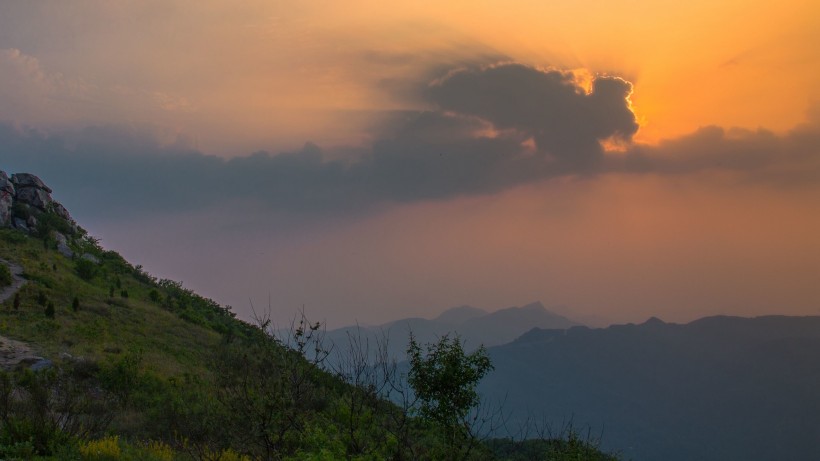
(371, 161)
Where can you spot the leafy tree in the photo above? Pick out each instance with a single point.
(444, 379)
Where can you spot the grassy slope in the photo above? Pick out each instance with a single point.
(177, 335)
(103, 326)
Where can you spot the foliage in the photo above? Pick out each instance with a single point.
(5, 275)
(105, 449)
(86, 269)
(445, 379)
(49, 407)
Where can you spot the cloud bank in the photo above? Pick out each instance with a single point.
(489, 129)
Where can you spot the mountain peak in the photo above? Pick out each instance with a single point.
(460, 314)
(534, 306)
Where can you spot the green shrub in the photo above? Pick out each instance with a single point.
(5, 276)
(50, 310)
(86, 269)
(13, 236)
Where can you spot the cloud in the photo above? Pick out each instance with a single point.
(489, 129)
(784, 160)
(549, 106)
(31, 93)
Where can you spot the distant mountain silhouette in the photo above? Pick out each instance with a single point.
(475, 326)
(718, 388)
(460, 314)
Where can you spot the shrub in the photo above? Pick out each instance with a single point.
(75, 304)
(106, 449)
(16, 301)
(41, 298)
(159, 451)
(5, 276)
(50, 310)
(86, 269)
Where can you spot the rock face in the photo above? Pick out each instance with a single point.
(6, 199)
(25, 200)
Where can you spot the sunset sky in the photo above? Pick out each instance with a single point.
(368, 160)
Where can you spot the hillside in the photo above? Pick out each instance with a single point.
(714, 389)
(115, 364)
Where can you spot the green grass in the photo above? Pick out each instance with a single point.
(103, 326)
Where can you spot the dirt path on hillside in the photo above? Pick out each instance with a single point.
(14, 353)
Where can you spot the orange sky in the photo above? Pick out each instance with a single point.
(267, 75)
(704, 230)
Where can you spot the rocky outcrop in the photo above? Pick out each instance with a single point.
(25, 200)
(6, 199)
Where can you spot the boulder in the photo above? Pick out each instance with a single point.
(64, 250)
(60, 210)
(6, 202)
(90, 257)
(5, 183)
(6, 199)
(20, 223)
(38, 198)
(29, 180)
(62, 245)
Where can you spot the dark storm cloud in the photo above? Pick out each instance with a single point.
(474, 141)
(790, 159)
(548, 106)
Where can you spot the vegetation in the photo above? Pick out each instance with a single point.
(161, 373)
(444, 380)
(5, 276)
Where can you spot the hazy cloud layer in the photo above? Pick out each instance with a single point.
(493, 128)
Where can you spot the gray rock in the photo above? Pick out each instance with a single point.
(90, 257)
(5, 183)
(60, 210)
(64, 250)
(29, 180)
(20, 223)
(31, 222)
(6, 201)
(60, 238)
(41, 364)
(38, 198)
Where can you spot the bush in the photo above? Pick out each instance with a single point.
(107, 448)
(50, 310)
(5, 276)
(86, 269)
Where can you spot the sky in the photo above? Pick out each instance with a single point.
(368, 161)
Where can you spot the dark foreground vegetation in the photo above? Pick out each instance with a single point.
(137, 368)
